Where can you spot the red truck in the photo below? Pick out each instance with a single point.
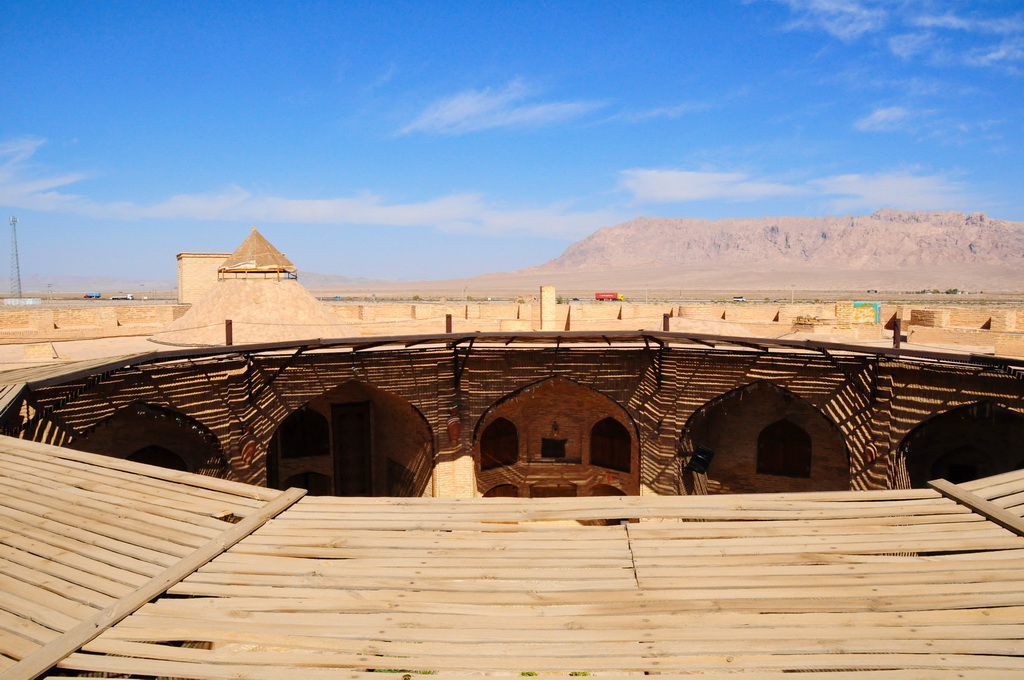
(609, 296)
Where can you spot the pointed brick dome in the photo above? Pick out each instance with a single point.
(258, 291)
(256, 256)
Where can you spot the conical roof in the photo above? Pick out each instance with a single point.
(261, 308)
(256, 254)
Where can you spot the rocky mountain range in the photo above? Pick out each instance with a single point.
(884, 240)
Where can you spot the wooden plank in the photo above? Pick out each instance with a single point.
(46, 657)
(338, 652)
(33, 522)
(100, 522)
(311, 635)
(260, 612)
(212, 488)
(313, 666)
(586, 603)
(71, 473)
(704, 674)
(106, 495)
(1000, 516)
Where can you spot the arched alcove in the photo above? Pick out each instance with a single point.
(765, 438)
(610, 445)
(499, 444)
(156, 435)
(305, 433)
(556, 437)
(965, 443)
(364, 440)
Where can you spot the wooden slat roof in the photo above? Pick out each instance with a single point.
(887, 584)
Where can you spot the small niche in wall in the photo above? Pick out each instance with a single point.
(552, 449)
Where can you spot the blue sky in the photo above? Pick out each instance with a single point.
(409, 140)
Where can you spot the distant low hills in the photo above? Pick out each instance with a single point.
(885, 240)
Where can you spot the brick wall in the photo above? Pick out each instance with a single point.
(856, 410)
(557, 409)
(731, 426)
(1009, 345)
(197, 273)
(85, 322)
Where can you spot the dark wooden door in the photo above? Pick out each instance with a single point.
(353, 449)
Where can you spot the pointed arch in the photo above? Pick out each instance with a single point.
(499, 444)
(965, 443)
(304, 433)
(766, 438)
(364, 440)
(555, 436)
(156, 435)
(610, 444)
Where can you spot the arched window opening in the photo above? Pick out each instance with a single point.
(313, 482)
(502, 491)
(303, 434)
(969, 442)
(784, 449)
(499, 444)
(159, 456)
(610, 445)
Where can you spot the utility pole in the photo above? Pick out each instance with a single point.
(15, 268)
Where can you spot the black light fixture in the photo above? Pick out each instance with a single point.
(700, 460)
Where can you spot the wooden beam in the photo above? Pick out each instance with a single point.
(988, 509)
(50, 654)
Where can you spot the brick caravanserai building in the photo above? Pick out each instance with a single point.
(533, 414)
(548, 503)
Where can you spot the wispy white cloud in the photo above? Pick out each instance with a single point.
(985, 37)
(510, 106)
(463, 212)
(669, 112)
(1007, 50)
(677, 186)
(885, 119)
(905, 190)
(475, 213)
(14, 152)
(1005, 25)
(907, 45)
(1007, 53)
(847, 20)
